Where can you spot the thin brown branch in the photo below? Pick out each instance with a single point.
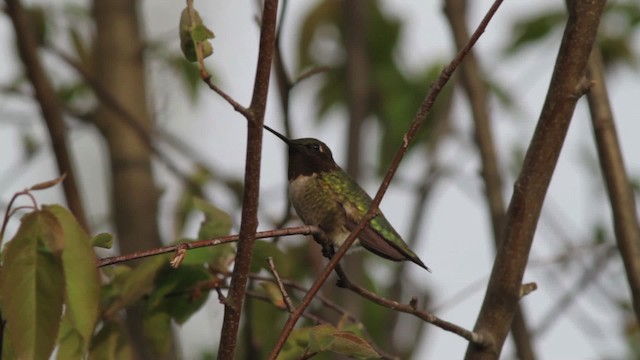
(249, 220)
(322, 299)
(207, 78)
(283, 291)
(476, 91)
(501, 299)
(410, 308)
(418, 120)
(51, 111)
(302, 230)
(623, 206)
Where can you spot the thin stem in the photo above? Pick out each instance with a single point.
(249, 220)
(301, 230)
(621, 197)
(410, 308)
(283, 291)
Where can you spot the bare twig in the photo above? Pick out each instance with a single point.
(502, 296)
(302, 230)
(624, 215)
(283, 291)
(419, 119)
(410, 308)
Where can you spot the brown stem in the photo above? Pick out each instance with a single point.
(567, 85)
(410, 308)
(418, 120)
(303, 230)
(476, 91)
(249, 221)
(51, 111)
(623, 206)
(283, 291)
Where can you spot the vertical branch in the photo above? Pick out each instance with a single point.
(625, 218)
(567, 85)
(476, 91)
(249, 222)
(120, 72)
(51, 112)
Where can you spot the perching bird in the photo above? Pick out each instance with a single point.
(325, 196)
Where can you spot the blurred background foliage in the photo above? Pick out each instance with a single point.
(169, 296)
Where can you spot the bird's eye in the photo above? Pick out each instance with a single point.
(315, 147)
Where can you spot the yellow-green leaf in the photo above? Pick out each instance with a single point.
(32, 273)
(193, 31)
(81, 275)
(111, 343)
(216, 221)
(136, 284)
(70, 342)
(174, 292)
(157, 330)
(102, 240)
(273, 292)
(327, 338)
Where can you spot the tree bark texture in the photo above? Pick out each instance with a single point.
(476, 91)
(568, 83)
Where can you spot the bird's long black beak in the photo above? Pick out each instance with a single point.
(282, 137)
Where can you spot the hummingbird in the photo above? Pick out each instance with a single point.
(326, 196)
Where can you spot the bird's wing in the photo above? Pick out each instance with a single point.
(378, 236)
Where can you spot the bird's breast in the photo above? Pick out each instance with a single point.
(316, 204)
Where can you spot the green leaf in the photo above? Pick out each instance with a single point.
(327, 338)
(174, 297)
(194, 188)
(216, 222)
(193, 31)
(157, 330)
(71, 345)
(297, 344)
(111, 343)
(135, 284)
(175, 291)
(102, 240)
(32, 273)
(321, 337)
(273, 292)
(262, 250)
(81, 275)
(350, 344)
(201, 32)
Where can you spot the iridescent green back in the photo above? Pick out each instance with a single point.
(357, 202)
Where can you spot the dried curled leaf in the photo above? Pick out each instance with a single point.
(193, 32)
(49, 183)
